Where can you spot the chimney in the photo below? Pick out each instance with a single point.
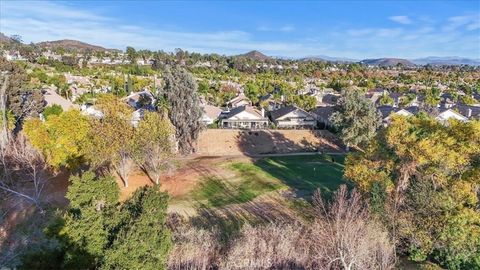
(263, 112)
(469, 113)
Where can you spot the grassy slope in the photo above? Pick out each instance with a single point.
(302, 174)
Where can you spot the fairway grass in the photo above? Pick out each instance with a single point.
(301, 174)
(305, 174)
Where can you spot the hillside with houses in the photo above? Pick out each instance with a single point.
(141, 159)
(249, 90)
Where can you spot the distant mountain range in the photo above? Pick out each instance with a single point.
(449, 60)
(387, 62)
(328, 59)
(69, 44)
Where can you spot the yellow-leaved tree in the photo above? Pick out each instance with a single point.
(423, 177)
(60, 138)
(111, 137)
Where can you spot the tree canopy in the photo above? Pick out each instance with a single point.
(184, 109)
(429, 174)
(110, 139)
(21, 100)
(355, 118)
(60, 138)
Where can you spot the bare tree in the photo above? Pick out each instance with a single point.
(155, 162)
(124, 165)
(24, 171)
(154, 145)
(346, 236)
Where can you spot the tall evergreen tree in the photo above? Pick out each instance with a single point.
(356, 118)
(184, 111)
(21, 100)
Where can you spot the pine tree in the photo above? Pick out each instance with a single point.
(21, 101)
(184, 112)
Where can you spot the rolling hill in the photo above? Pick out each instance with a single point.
(255, 55)
(69, 44)
(387, 62)
(328, 59)
(4, 38)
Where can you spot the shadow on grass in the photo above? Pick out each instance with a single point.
(305, 174)
(228, 220)
(225, 205)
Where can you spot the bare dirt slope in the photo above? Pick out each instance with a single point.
(220, 142)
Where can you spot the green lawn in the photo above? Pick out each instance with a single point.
(302, 174)
(305, 174)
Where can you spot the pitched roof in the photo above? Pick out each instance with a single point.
(51, 98)
(211, 111)
(238, 98)
(282, 111)
(246, 108)
(464, 110)
(445, 112)
(324, 112)
(330, 99)
(385, 110)
(413, 109)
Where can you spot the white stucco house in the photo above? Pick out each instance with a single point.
(245, 117)
(292, 117)
(210, 114)
(448, 114)
(239, 101)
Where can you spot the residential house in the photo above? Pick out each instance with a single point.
(89, 110)
(396, 97)
(447, 101)
(14, 56)
(322, 115)
(329, 99)
(292, 117)
(210, 114)
(244, 117)
(239, 101)
(375, 95)
(468, 111)
(52, 98)
(270, 102)
(387, 111)
(450, 113)
(143, 99)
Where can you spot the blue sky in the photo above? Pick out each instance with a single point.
(351, 29)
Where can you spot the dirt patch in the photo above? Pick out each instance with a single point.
(237, 142)
(179, 182)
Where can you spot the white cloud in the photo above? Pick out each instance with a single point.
(402, 19)
(285, 28)
(360, 32)
(469, 21)
(40, 21)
